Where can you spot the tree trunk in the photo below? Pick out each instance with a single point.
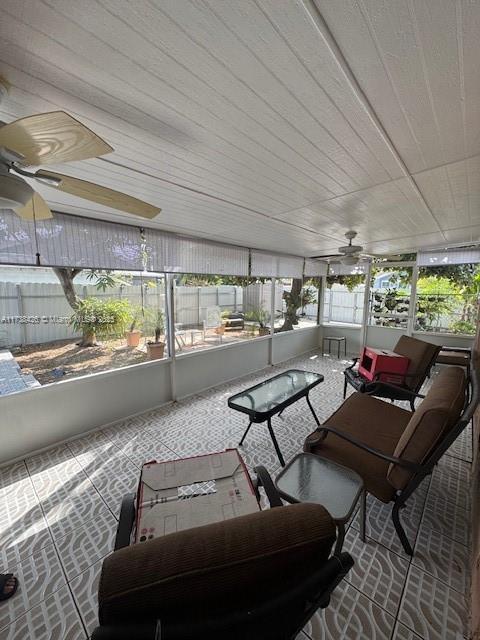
(293, 300)
(66, 276)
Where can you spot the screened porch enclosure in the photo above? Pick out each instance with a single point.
(219, 311)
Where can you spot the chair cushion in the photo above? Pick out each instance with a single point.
(421, 355)
(374, 422)
(439, 411)
(458, 358)
(223, 564)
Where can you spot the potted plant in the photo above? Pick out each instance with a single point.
(260, 316)
(156, 349)
(133, 334)
(99, 318)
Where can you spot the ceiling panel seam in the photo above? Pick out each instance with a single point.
(318, 169)
(313, 11)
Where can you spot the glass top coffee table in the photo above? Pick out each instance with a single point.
(272, 396)
(311, 478)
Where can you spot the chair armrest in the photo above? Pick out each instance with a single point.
(400, 375)
(265, 481)
(355, 360)
(394, 387)
(125, 522)
(412, 466)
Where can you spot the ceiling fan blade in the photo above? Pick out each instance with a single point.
(101, 195)
(38, 205)
(327, 255)
(52, 137)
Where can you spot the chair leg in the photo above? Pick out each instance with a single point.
(345, 387)
(363, 515)
(412, 404)
(400, 530)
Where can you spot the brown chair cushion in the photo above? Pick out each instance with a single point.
(421, 355)
(458, 358)
(374, 422)
(439, 411)
(224, 564)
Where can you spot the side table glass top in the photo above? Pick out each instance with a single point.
(311, 478)
(268, 395)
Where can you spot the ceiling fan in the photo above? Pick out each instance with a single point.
(47, 138)
(349, 254)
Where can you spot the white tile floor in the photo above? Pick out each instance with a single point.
(58, 515)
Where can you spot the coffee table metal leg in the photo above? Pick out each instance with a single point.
(244, 435)
(363, 514)
(311, 409)
(275, 443)
(340, 539)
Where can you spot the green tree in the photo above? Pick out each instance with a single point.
(101, 279)
(351, 281)
(436, 297)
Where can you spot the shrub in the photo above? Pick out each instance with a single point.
(95, 317)
(463, 326)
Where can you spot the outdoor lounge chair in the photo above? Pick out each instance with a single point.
(260, 576)
(422, 356)
(394, 449)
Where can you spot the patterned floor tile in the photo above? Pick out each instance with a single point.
(67, 516)
(85, 589)
(404, 633)
(462, 447)
(452, 487)
(11, 475)
(144, 448)
(447, 518)
(379, 524)
(55, 618)
(431, 609)
(18, 501)
(350, 616)
(377, 572)
(443, 558)
(87, 544)
(75, 482)
(113, 478)
(48, 459)
(90, 441)
(39, 575)
(22, 536)
(60, 482)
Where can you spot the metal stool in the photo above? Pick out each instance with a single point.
(338, 340)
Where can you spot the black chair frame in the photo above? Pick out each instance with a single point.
(419, 471)
(381, 389)
(286, 613)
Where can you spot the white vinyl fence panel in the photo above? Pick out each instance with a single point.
(34, 313)
(343, 306)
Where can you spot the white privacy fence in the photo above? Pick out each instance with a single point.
(343, 306)
(33, 313)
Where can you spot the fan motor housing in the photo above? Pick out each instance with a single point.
(14, 192)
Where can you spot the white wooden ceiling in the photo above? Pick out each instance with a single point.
(276, 124)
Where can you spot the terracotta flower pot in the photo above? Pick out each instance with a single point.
(133, 337)
(155, 350)
(263, 331)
